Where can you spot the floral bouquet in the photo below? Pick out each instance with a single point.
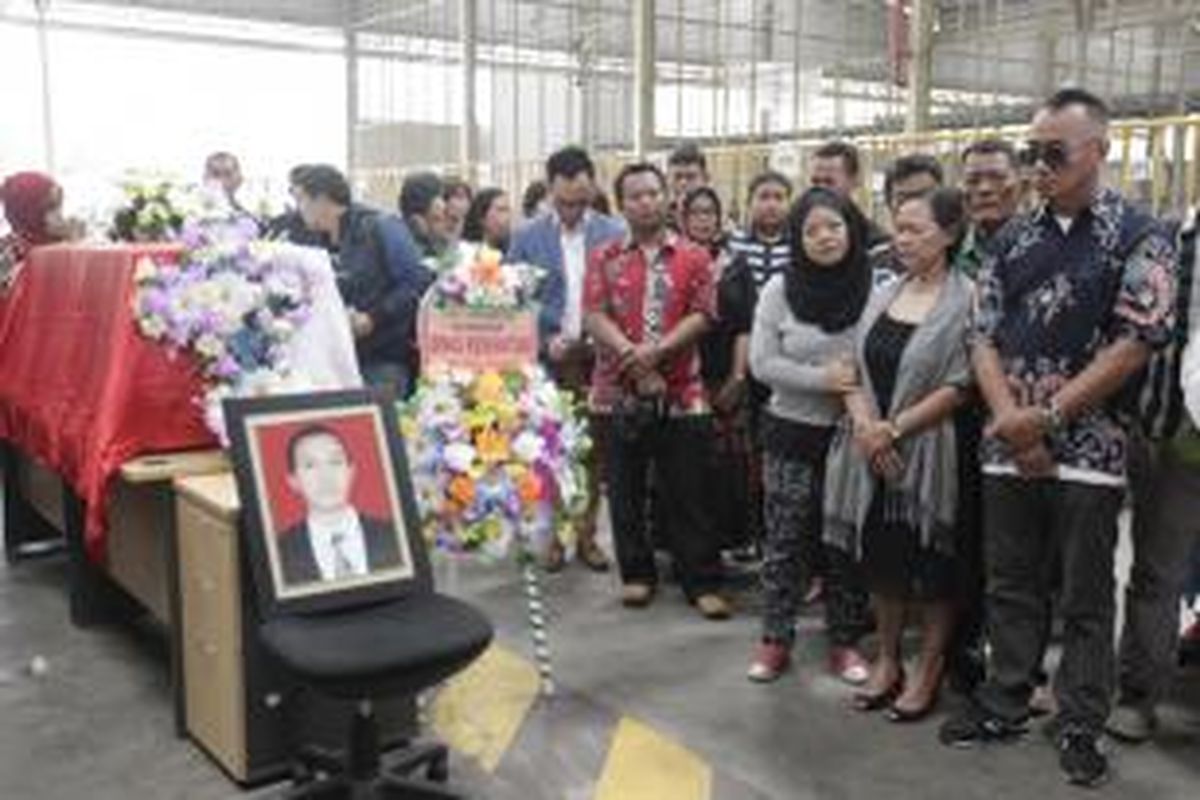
(233, 302)
(479, 280)
(495, 457)
(152, 211)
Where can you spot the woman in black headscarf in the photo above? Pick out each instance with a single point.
(801, 347)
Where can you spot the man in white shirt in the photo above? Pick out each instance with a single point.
(559, 242)
(335, 541)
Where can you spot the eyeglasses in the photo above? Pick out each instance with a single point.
(1054, 154)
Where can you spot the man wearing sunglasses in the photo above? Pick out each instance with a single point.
(1073, 298)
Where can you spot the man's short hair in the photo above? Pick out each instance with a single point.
(1096, 108)
(907, 166)
(310, 432)
(636, 168)
(295, 173)
(452, 187)
(770, 176)
(847, 152)
(323, 180)
(220, 155)
(988, 147)
(686, 155)
(569, 162)
(419, 192)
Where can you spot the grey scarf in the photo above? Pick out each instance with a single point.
(936, 356)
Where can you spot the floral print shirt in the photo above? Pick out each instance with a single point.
(646, 301)
(1050, 299)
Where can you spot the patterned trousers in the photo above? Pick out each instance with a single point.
(793, 554)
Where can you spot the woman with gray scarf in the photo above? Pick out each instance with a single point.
(891, 491)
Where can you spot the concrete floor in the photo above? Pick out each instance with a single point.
(97, 723)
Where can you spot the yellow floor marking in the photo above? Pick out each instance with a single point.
(479, 712)
(644, 765)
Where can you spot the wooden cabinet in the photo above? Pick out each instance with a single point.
(239, 705)
(210, 614)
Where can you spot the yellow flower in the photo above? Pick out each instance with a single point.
(489, 388)
(492, 446)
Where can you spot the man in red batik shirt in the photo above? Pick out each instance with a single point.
(648, 299)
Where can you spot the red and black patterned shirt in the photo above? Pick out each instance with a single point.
(646, 300)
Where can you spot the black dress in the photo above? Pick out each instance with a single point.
(893, 561)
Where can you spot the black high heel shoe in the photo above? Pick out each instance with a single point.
(904, 716)
(867, 701)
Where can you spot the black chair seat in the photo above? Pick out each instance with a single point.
(398, 647)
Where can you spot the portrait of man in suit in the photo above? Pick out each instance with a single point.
(334, 541)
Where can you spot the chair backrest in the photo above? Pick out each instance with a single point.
(330, 521)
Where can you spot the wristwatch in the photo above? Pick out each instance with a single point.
(1052, 417)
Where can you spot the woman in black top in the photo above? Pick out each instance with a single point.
(724, 366)
(892, 495)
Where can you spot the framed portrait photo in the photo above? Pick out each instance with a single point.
(329, 516)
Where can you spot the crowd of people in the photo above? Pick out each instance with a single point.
(937, 424)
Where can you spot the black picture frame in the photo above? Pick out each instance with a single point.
(245, 419)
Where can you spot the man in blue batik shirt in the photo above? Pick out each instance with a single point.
(1073, 298)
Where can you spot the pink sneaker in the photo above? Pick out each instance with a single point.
(770, 661)
(848, 665)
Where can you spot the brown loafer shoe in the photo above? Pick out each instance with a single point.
(556, 557)
(714, 606)
(592, 556)
(636, 595)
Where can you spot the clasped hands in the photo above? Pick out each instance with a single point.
(1023, 429)
(876, 441)
(639, 365)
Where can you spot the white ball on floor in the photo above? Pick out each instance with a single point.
(38, 666)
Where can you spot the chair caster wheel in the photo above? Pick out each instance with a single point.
(439, 769)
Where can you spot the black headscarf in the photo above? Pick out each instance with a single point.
(833, 297)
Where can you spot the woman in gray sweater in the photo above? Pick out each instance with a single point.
(802, 346)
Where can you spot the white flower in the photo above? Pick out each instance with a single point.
(210, 346)
(153, 326)
(145, 270)
(459, 456)
(528, 447)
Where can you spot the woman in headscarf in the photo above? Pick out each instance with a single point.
(802, 348)
(33, 207)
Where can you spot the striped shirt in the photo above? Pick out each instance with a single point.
(765, 259)
(1160, 400)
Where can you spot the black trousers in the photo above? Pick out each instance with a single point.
(677, 450)
(1032, 528)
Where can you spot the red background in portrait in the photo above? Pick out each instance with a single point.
(369, 492)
